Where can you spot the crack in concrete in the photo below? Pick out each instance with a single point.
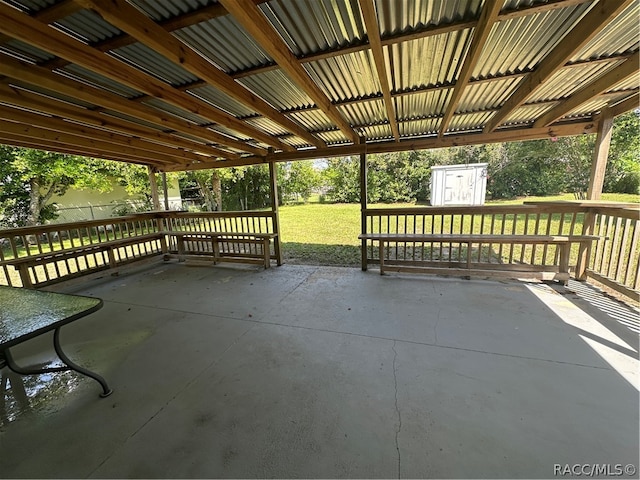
(395, 384)
(435, 327)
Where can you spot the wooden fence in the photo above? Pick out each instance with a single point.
(48, 254)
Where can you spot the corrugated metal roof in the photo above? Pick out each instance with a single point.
(399, 16)
(469, 121)
(165, 9)
(277, 89)
(312, 120)
(619, 36)
(525, 113)
(376, 132)
(221, 100)
(346, 76)
(483, 95)
(237, 52)
(309, 26)
(419, 128)
(31, 6)
(87, 26)
(415, 105)
(433, 60)
(364, 113)
(22, 51)
(569, 79)
(95, 79)
(53, 95)
(175, 111)
(335, 137)
(149, 61)
(519, 44)
(267, 125)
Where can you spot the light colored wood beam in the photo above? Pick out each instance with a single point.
(481, 33)
(32, 32)
(22, 98)
(39, 134)
(625, 105)
(253, 20)
(600, 154)
(61, 126)
(628, 68)
(41, 77)
(131, 20)
(590, 25)
(512, 135)
(51, 14)
(61, 147)
(373, 32)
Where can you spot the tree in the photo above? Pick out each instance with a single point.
(297, 180)
(29, 178)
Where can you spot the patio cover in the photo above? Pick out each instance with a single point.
(186, 84)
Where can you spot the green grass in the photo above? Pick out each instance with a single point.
(327, 234)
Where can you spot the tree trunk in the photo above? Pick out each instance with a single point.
(216, 184)
(34, 202)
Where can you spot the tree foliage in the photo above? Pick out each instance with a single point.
(29, 178)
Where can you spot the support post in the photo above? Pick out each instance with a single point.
(363, 205)
(584, 252)
(154, 187)
(273, 187)
(600, 153)
(165, 190)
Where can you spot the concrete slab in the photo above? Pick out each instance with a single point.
(309, 372)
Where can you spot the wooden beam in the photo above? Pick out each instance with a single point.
(131, 20)
(511, 135)
(153, 185)
(488, 17)
(590, 25)
(373, 32)
(273, 190)
(32, 32)
(77, 143)
(41, 77)
(600, 154)
(61, 147)
(252, 19)
(626, 105)
(363, 206)
(61, 126)
(628, 68)
(25, 99)
(50, 14)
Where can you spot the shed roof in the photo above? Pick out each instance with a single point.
(245, 81)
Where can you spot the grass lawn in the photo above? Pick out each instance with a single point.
(327, 234)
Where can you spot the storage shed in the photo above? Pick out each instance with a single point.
(459, 184)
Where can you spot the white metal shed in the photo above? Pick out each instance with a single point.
(459, 184)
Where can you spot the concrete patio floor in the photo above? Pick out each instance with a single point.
(320, 372)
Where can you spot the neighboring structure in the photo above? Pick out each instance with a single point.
(78, 205)
(459, 184)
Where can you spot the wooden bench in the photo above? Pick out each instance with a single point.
(562, 241)
(224, 246)
(22, 265)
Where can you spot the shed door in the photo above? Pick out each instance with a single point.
(458, 187)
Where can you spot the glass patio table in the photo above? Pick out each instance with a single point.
(26, 314)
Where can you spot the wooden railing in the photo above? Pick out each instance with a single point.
(48, 254)
(613, 259)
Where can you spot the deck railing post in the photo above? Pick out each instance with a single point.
(273, 179)
(584, 252)
(363, 205)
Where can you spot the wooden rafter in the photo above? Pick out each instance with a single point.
(488, 17)
(131, 20)
(51, 14)
(29, 100)
(76, 143)
(32, 32)
(373, 32)
(507, 135)
(257, 25)
(43, 78)
(61, 126)
(630, 103)
(590, 25)
(628, 68)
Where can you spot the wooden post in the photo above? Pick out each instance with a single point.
(165, 190)
(363, 207)
(154, 187)
(584, 252)
(600, 153)
(273, 179)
